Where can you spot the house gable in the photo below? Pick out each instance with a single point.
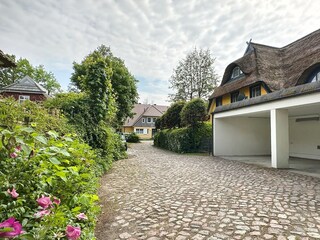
(25, 87)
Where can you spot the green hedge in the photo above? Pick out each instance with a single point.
(133, 138)
(183, 140)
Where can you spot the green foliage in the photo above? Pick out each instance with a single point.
(77, 109)
(38, 73)
(171, 118)
(122, 83)
(193, 112)
(183, 140)
(30, 113)
(51, 165)
(133, 138)
(124, 89)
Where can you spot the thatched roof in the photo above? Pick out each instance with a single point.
(277, 68)
(5, 61)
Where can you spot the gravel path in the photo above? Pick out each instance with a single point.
(156, 194)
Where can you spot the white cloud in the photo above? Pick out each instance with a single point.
(151, 36)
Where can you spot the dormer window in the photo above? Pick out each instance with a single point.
(315, 76)
(236, 72)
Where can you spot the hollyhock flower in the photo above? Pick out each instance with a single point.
(44, 202)
(13, 155)
(73, 233)
(56, 200)
(11, 228)
(13, 193)
(42, 213)
(82, 216)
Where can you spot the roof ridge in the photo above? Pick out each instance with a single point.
(141, 115)
(157, 108)
(290, 44)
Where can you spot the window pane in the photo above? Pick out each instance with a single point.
(234, 97)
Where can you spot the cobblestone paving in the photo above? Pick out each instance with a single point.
(161, 195)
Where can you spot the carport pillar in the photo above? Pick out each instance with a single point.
(279, 138)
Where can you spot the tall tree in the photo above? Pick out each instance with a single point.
(25, 68)
(123, 83)
(194, 77)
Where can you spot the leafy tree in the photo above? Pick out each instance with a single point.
(24, 68)
(173, 118)
(123, 83)
(194, 77)
(193, 112)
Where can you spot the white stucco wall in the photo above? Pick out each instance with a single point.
(304, 137)
(242, 136)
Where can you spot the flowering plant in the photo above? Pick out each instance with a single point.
(10, 228)
(47, 187)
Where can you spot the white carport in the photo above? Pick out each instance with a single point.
(282, 124)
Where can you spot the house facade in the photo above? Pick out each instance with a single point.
(143, 121)
(25, 89)
(268, 103)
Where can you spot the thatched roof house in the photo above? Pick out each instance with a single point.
(268, 103)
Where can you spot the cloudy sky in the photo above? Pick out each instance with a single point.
(150, 35)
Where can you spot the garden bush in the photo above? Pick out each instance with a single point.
(183, 140)
(133, 138)
(48, 178)
(193, 112)
(48, 185)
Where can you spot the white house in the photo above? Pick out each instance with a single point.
(268, 103)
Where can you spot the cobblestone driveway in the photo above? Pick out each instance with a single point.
(161, 195)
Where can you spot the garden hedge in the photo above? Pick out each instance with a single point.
(184, 140)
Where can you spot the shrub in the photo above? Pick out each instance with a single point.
(193, 112)
(76, 108)
(56, 179)
(133, 138)
(171, 118)
(30, 114)
(183, 140)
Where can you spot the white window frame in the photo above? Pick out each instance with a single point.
(236, 72)
(149, 118)
(143, 120)
(23, 98)
(139, 131)
(316, 77)
(154, 119)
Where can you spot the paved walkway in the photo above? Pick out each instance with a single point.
(161, 195)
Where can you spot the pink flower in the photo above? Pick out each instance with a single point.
(18, 149)
(44, 202)
(42, 213)
(13, 226)
(13, 155)
(56, 200)
(13, 193)
(73, 233)
(82, 216)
